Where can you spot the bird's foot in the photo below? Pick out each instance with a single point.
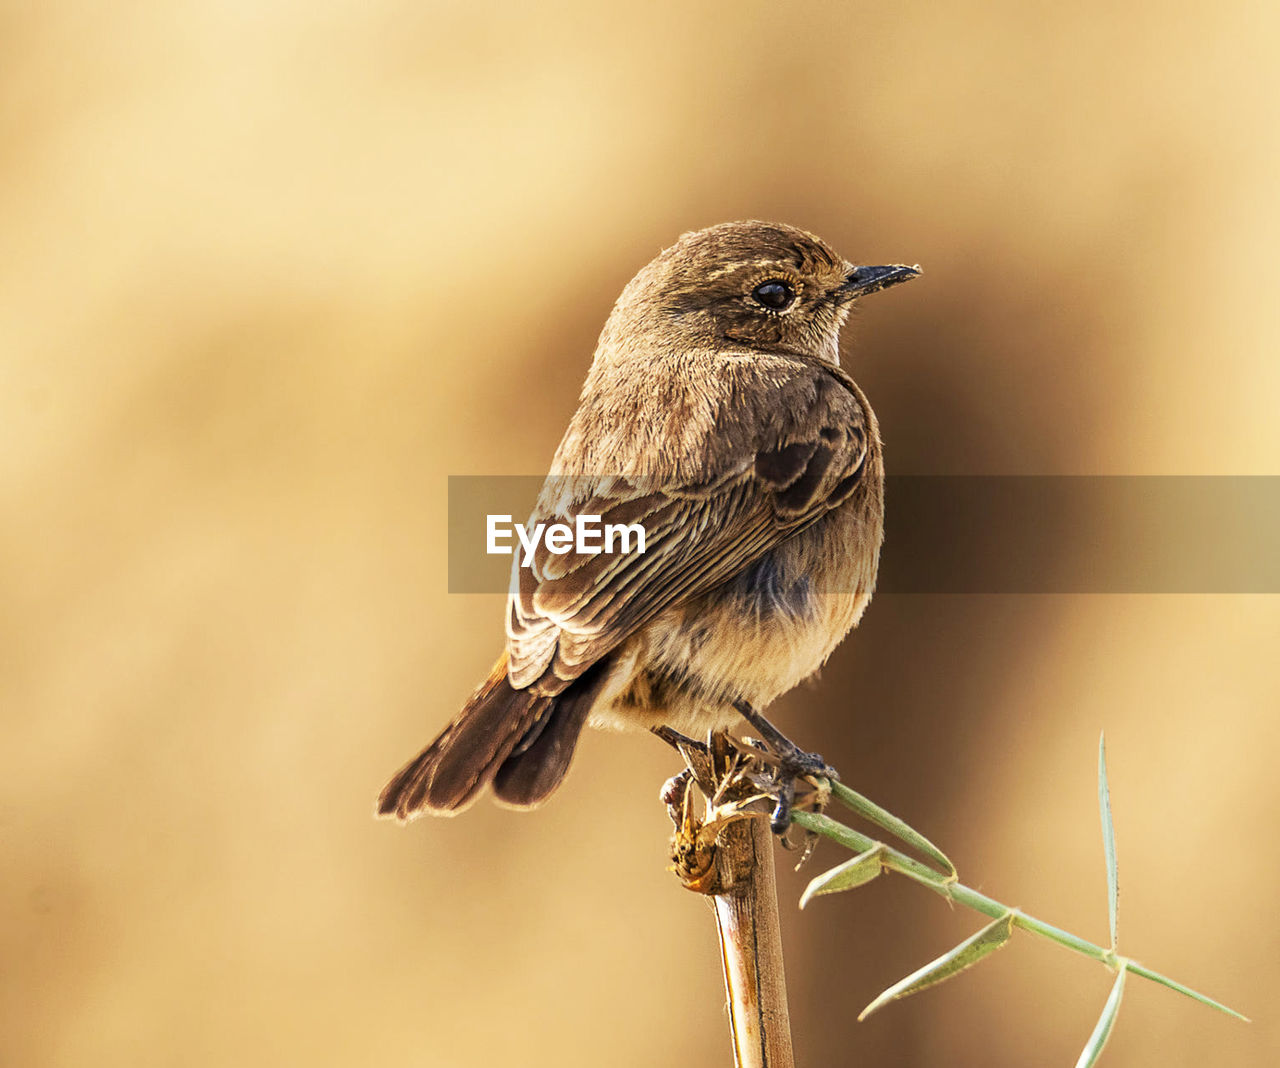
(783, 772)
(801, 765)
(786, 763)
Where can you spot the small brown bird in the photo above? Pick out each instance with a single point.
(717, 416)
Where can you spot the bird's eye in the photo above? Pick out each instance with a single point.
(774, 294)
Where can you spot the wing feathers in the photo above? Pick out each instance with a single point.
(571, 609)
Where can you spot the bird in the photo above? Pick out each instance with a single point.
(717, 416)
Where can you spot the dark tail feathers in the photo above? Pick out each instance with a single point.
(520, 742)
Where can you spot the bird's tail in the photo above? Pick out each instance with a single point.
(518, 741)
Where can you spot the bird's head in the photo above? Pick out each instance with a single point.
(747, 286)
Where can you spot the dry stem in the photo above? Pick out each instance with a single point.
(730, 858)
(751, 945)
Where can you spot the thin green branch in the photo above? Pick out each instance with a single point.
(896, 861)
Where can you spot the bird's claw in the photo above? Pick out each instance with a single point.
(786, 769)
(800, 764)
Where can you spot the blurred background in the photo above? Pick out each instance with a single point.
(272, 272)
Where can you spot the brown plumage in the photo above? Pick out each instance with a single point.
(716, 415)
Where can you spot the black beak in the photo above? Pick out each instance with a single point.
(862, 280)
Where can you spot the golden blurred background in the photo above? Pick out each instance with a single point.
(272, 272)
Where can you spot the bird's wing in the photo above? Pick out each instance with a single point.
(567, 611)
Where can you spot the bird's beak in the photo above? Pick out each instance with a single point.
(862, 280)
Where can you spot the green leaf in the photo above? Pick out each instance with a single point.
(1093, 1048)
(965, 955)
(1108, 837)
(853, 872)
(873, 813)
(1173, 984)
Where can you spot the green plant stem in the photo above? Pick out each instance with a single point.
(948, 887)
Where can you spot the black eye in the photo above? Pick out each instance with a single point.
(774, 294)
